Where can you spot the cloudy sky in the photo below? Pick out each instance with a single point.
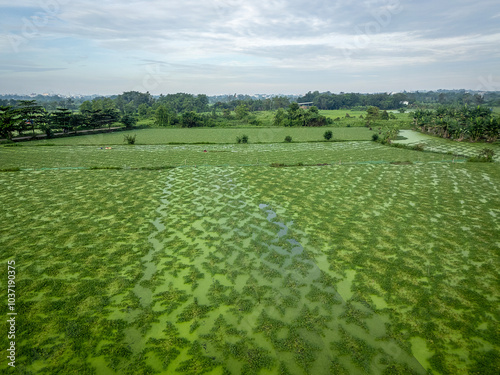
(228, 46)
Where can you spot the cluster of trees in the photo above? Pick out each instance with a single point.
(144, 105)
(462, 123)
(427, 99)
(296, 116)
(328, 100)
(435, 99)
(29, 116)
(267, 104)
(165, 115)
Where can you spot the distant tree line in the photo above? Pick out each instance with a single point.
(461, 123)
(48, 102)
(331, 101)
(51, 114)
(388, 101)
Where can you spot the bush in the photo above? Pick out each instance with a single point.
(255, 122)
(129, 139)
(242, 139)
(485, 156)
(129, 121)
(375, 137)
(328, 135)
(288, 139)
(418, 147)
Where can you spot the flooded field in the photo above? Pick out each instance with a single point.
(441, 145)
(373, 268)
(159, 156)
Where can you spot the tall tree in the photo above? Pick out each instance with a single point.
(164, 116)
(9, 121)
(241, 111)
(61, 118)
(31, 113)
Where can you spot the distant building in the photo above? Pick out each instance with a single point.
(305, 105)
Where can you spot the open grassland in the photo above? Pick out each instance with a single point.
(158, 136)
(355, 267)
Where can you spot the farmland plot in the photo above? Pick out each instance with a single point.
(158, 156)
(306, 270)
(437, 144)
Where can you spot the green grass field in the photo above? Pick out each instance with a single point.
(160, 136)
(378, 260)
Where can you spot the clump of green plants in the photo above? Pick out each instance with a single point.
(12, 169)
(288, 139)
(375, 137)
(485, 156)
(130, 139)
(328, 135)
(242, 139)
(418, 147)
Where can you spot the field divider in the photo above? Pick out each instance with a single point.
(160, 168)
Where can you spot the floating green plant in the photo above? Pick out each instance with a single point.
(268, 326)
(193, 311)
(192, 277)
(361, 353)
(311, 320)
(325, 297)
(304, 352)
(198, 363)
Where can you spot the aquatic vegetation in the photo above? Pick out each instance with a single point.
(304, 352)
(361, 353)
(311, 320)
(192, 277)
(198, 363)
(217, 293)
(326, 298)
(268, 273)
(251, 269)
(356, 316)
(193, 311)
(268, 326)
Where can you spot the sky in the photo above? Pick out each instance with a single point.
(215, 47)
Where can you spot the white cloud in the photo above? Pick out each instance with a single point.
(228, 38)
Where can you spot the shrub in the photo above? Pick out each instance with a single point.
(129, 121)
(418, 147)
(328, 135)
(485, 156)
(288, 139)
(255, 122)
(242, 139)
(375, 137)
(129, 139)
